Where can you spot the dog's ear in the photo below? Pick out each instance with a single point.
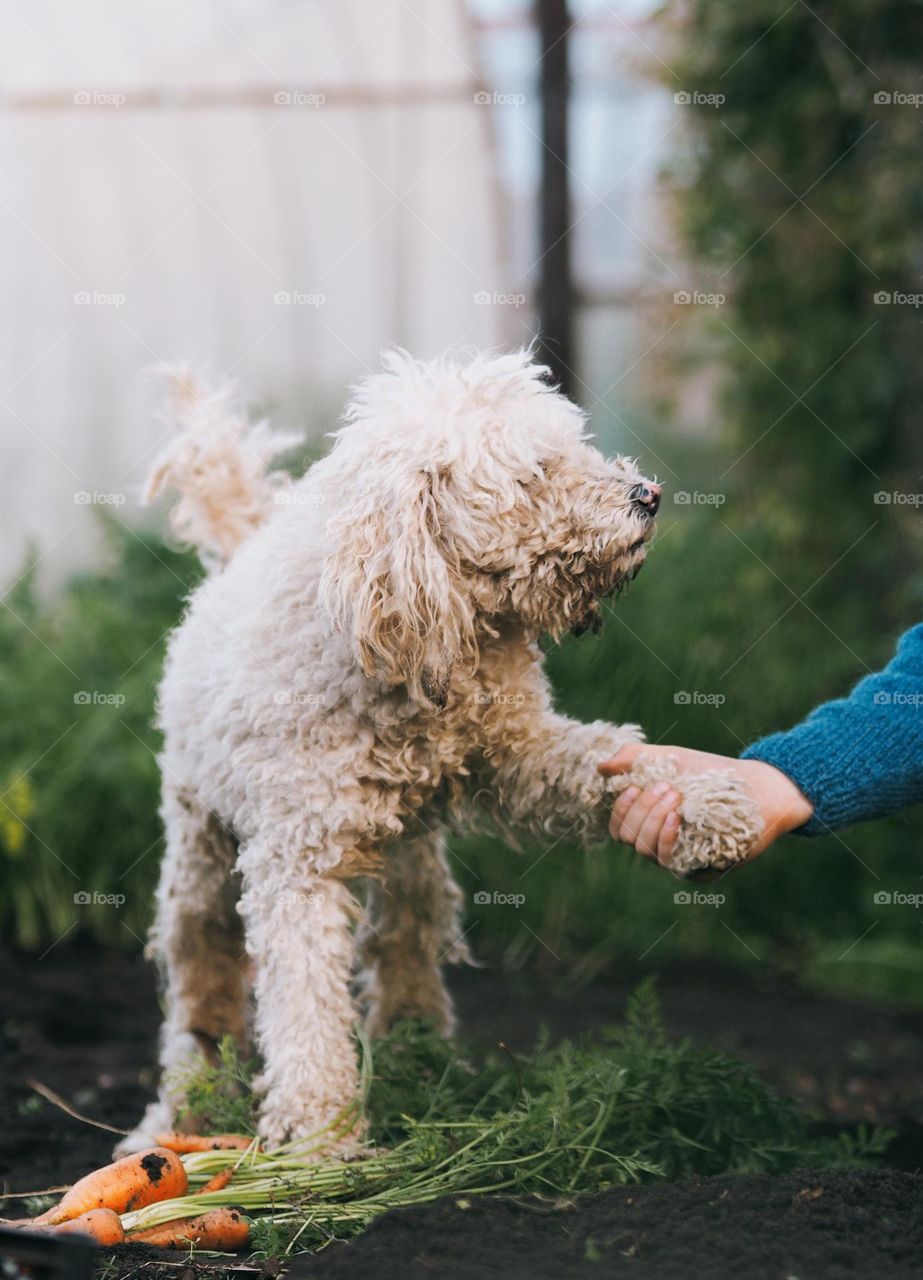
(389, 582)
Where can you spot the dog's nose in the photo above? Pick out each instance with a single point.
(647, 496)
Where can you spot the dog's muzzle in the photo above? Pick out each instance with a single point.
(646, 498)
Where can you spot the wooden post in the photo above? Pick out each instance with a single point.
(555, 286)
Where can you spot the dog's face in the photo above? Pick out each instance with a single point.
(472, 497)
(562, 532)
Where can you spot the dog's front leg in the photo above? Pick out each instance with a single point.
(545, 774)
(298, 934)
(547, 783)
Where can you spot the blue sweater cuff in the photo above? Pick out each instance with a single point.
(796, 758)
(859, 757)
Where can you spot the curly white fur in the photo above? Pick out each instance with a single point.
(219, 463)
(363, 672)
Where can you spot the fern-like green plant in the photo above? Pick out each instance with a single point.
(218, 1095)
(568, 1118)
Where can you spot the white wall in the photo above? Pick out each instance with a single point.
(182, 199)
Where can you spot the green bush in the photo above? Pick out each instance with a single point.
(78, 776)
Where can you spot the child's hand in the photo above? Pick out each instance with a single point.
(650, 820)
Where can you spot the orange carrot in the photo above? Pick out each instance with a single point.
(128, 1184)
(102, 1225)
(224, 1229)
(185, 1143)
(218, 1182)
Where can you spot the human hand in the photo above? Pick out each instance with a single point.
(649, 820)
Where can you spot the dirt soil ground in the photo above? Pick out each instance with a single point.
(83, 1021)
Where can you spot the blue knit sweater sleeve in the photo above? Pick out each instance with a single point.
(858, 757)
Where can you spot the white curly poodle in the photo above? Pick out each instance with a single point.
(360, 671)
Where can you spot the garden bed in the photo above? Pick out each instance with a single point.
(83, 1021)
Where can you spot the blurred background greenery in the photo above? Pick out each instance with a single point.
(789, 572)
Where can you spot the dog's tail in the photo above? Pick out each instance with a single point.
(219, 464)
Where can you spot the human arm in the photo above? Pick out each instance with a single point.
(850, 760)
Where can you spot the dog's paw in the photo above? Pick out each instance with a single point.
(155, 1122)
(313, 1131)
(720, 820)
(421, 997)
(720, 824)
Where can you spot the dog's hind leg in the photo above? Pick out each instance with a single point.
(198, 937)
(412, 927)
